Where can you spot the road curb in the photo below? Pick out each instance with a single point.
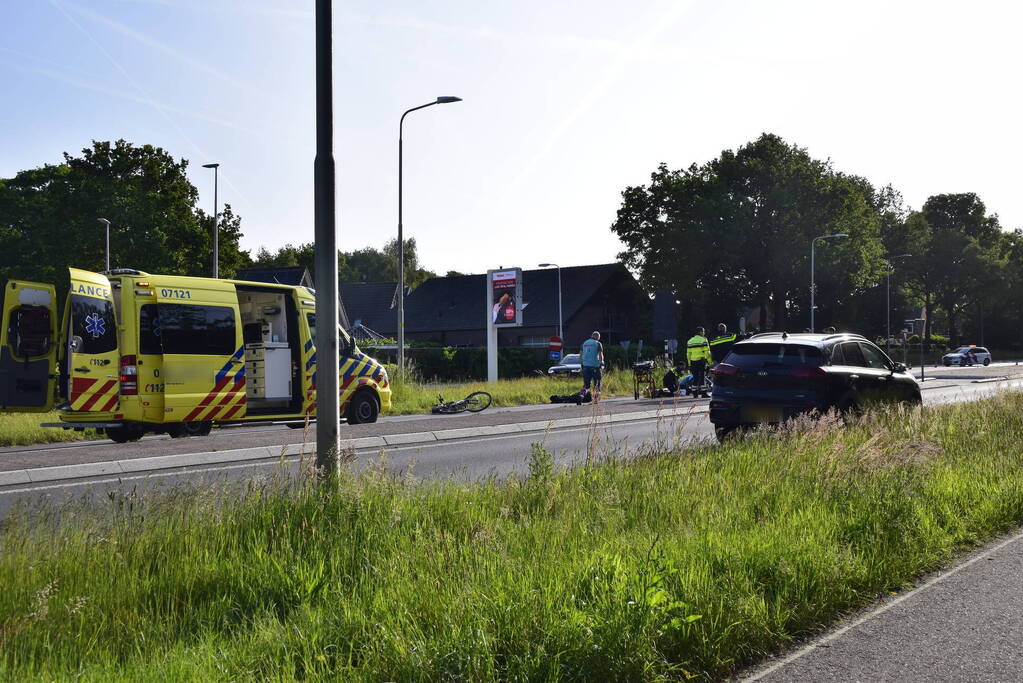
(135, 466)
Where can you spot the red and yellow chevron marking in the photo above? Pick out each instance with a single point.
(225, 400)
(97, 395)
(310, 400)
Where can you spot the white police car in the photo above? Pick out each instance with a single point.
(967, 355)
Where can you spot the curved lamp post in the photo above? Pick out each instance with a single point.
(561, 330)
(401, 239)
(105, 222)
(216, 233)
(813, 284)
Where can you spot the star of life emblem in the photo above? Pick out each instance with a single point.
(95, 326)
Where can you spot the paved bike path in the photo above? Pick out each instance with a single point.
(961, 624)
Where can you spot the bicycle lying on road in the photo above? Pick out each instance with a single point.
(474, 403)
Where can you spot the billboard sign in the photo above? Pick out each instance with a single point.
(505, 287)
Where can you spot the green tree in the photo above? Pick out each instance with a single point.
(737, 230)
(963, 252)
(361, 265)
(48, 216)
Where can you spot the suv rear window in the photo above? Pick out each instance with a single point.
(756, 356)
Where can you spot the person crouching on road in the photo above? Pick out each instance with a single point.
(592, 361)
(698, 355)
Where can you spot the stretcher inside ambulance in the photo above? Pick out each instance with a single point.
(136, 353)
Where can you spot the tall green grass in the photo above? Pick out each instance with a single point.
(676, 564)
(22, 429)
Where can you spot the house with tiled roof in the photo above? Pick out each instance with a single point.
(606, 297)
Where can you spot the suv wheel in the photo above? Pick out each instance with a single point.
(124, 434)
(987, 362)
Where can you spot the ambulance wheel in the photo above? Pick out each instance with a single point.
(124, 434)
(363, 408)
(185, 429)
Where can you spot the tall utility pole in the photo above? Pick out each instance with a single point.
(328, 416)
(105, 222)
(216, 233)
(401, 238)
(813, 283)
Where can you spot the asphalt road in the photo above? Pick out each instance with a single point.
(938, 387)
(473, 458)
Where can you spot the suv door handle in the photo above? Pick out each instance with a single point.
(82, 370)
(854, 376)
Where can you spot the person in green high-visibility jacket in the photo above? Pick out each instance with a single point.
(722, 344)
(698, 355)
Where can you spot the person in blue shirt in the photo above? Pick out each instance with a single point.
(592, 361)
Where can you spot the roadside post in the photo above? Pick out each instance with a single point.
(504, 309)
(920, 333)
(328, 416)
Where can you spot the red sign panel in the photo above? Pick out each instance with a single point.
(555, 343)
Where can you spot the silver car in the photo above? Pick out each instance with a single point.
(571, 364)
(967, 355)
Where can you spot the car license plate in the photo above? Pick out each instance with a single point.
(761, 413)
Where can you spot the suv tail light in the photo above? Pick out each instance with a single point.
(129, 376)
(725, 370)
(811, 373)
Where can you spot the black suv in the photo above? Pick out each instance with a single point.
(772, 377)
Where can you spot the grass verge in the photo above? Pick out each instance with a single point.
(22, 429)
(672, 565)
(413, 396)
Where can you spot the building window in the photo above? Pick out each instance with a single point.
(534, 341)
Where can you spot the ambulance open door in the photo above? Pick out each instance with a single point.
(28, 347)
(93, 356)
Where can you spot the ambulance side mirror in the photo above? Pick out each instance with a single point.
(76, 343)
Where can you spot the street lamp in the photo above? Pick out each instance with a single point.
(216, 235)
(561, 331)
(813, 284)
(401, 240)
(888, 300)
(106, 223)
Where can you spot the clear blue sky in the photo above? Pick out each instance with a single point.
(566, 103)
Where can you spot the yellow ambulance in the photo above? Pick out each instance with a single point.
(137, 353)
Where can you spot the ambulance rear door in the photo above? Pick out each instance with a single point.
(93, 356)
(28, 347)
(201, 335)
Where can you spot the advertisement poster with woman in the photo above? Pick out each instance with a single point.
(506, 295)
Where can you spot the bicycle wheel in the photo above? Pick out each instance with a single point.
(477, 401)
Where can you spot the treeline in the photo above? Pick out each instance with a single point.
(48, 217)
(735, 233)
(361, 265)
(49, 221)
